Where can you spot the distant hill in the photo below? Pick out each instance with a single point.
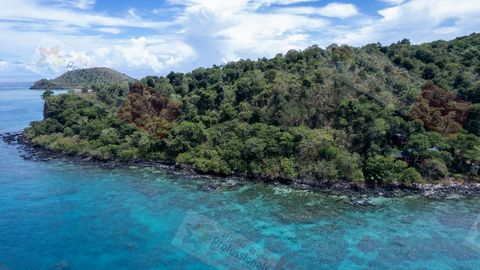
(82, 78)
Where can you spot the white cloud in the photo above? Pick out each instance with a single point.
(52, 57)
(31, 11)
(80, 4)
(222, 31)
(102, 52)
(338, 10)
(11, 71)
(154, 54)
(259, 3)
(133, 14)
(434, 11)
(111, 30)
(4, 65)
(137, 55)
(418, 20)
(206, 32)
(393, 2)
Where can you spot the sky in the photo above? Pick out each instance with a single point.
(44, 38)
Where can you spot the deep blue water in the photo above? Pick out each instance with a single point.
(61, 215)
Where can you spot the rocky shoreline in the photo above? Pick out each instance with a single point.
(357, 195)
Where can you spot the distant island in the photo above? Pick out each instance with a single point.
(383, 116)
(83, 78)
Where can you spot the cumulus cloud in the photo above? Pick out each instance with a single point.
(154, 54)
(418, 20)
(102, 52)
(222, 31)
(137, 55)
(338, 10)
(184, 34)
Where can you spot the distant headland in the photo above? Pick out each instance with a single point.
(83, 78)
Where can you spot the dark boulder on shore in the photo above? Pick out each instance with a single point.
(358, 196)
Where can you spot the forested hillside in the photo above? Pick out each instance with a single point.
(84, 78)
(380, 115)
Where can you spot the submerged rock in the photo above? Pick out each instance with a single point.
(361, 202)
(62, 265)
(444, 190)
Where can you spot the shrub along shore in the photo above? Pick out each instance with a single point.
(352, 193)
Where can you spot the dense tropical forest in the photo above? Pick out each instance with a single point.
(375, 115)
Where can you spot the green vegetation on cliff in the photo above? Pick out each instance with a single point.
(393, 115)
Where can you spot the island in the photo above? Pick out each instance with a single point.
(401, 115)
(83, 78)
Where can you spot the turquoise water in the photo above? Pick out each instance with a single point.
(60, 215)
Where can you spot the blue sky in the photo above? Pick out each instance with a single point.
(44, 38)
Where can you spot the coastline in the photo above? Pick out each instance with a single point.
(355, 195)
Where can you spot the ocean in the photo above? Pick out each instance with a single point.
(60, 214)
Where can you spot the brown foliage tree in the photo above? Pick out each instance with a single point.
(147, 109)
(439, 110)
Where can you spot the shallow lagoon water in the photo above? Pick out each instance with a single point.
(62, 215)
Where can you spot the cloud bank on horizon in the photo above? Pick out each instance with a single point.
(42, 38)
